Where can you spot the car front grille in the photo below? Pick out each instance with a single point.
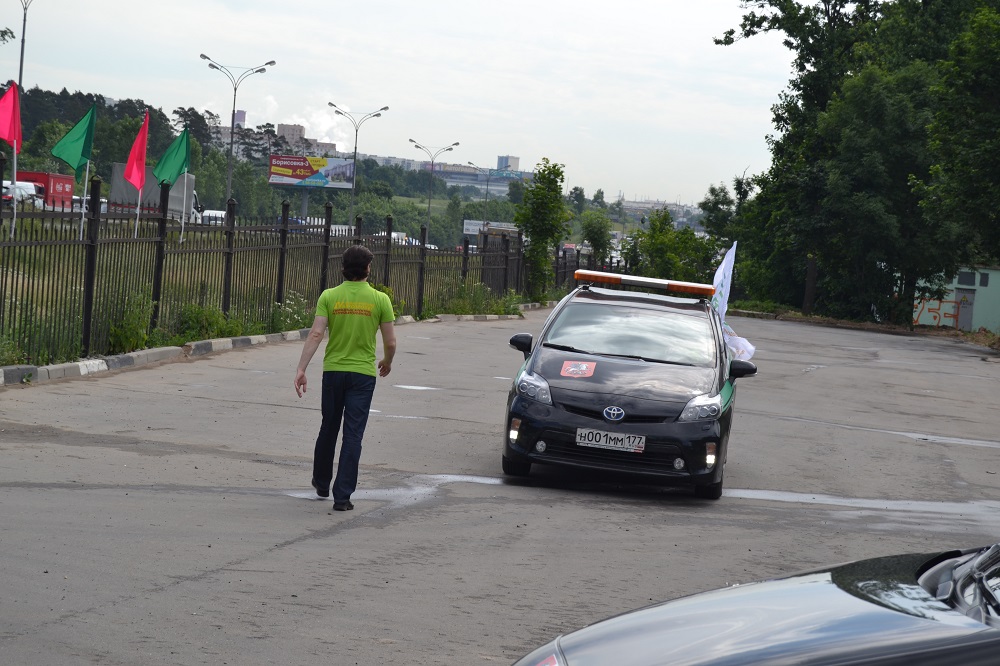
(655, 459)
(598, 415)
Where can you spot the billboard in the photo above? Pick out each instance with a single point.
(299, 171)
(473, 227)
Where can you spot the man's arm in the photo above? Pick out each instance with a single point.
(313, 341)
(388, 347)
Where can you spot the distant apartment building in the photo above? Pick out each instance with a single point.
(293, 134)
(509, 163)
(300, 144)
(241, 118)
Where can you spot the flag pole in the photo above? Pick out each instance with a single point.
(83, 199)
(184, 205)
(13, 193)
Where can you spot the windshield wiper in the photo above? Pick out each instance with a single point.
(972, 577)
(568, 348)
(984, 565)
(643, 358)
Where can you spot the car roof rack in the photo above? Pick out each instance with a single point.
(691, 288)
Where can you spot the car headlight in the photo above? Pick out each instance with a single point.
(547, 655)
(533, 387)
(702, 408)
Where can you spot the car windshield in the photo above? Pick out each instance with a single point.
(624, 330)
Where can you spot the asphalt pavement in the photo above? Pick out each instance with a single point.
(162, 514)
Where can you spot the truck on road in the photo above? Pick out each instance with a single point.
(56, 189)
(123, 196)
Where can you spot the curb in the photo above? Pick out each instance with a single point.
(751, 314)
(12, 375)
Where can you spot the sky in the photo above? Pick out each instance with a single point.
(631, 97)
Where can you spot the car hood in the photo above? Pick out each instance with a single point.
(873, 607)
(611, 377)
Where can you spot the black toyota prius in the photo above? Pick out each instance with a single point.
(626, 381)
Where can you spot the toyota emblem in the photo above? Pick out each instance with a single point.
(613, 413)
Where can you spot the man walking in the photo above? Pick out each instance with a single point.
(352, 313)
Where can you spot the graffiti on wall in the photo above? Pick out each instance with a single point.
(933, 312)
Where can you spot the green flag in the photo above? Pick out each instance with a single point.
(175, 161)
(74, 148)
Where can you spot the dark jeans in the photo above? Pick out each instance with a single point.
(347, 397)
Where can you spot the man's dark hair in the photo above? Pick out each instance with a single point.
(357, 259)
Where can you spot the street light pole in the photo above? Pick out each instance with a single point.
(236, 80)
(357, 126)
(430, 182)
(24, 26)
(488, 172)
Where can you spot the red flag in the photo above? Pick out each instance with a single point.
(10, 117)
(135, 168)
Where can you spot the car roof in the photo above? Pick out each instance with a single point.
(587, 293)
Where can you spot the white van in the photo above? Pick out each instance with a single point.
(22, 192)
(214, 217)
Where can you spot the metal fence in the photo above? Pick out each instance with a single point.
(68, 281)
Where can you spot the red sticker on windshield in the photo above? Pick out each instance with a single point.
(578, 369)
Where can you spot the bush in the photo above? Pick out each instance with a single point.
(130, 332)
(759, 306)
(471, 297)
(193, 323)
(293, 314)
(10, 354)
(397, 306)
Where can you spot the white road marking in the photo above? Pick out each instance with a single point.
(916, 436)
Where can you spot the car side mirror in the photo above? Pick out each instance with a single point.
(522, 343)
(740, 368)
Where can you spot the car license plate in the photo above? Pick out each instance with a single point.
(601, 439)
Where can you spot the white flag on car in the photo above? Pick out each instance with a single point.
(740, 347)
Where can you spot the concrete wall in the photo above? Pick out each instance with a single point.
(948, 311)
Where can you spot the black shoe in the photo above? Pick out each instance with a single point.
(343, 506)
(322, 492)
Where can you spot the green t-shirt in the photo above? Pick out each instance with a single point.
(354, 311)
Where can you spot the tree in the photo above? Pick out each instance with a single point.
(6, 34)
(197, 124)
(881, 243)
(543, 218)
(826, 38)
(661, 251)
(719, 210)
(578, 199)
(965, 137)
(599, 199)
(515, 191)
(595, 227)
(453, 214)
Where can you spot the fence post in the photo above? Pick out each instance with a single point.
(358, 221)
(161, 250)
(388, 248)
(505, 245)
(227, 278)
(520, 262)
(324, 271)
(465, 258)
(279, 292)
(90, 263)
(420, 271)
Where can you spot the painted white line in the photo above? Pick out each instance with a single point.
(916, 436)
(416, 388)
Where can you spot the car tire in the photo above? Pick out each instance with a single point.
(712, 491)
(514, 467)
